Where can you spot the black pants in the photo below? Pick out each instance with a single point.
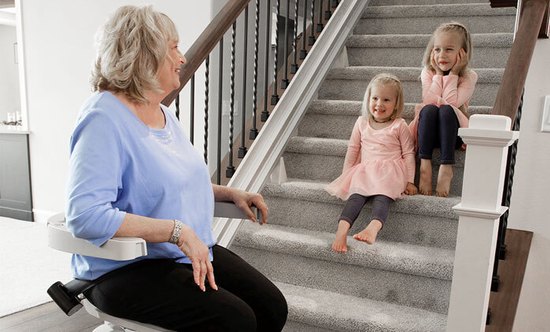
(163, 293)
(438, 128)
(355, 203)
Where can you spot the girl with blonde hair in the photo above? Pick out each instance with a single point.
(447, 87)
(379, 163)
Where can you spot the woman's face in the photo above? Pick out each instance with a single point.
(169, 71)
(445, 50)
(382, 102)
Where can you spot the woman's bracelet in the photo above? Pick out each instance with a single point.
(175, 238)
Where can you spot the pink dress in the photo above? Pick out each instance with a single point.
(377, 161)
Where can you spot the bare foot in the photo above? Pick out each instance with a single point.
(444, 177)
(370, 232)
(340, 242)
(425, 182)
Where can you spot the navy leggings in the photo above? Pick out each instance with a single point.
(355, 203)
(438, 128)
(163, 292)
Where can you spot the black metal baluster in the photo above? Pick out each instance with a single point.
(284, 81)
(334, 3)
(294, 66)
(328, 11)
(242, 148)
(311, 39)
(254, 130)
(177, 102)
(275, 92)
(265, 112)
(320, 18)
(303, 51)
(230, 170)
(192, 111)
(220, 95)
(206, 101)
(506, 200)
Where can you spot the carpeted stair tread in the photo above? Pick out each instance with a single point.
(309, 260)
(299, 189)
(349, 83)
(485, 75)
(338, 147)
(374, 3)
(353, 108)
(493, 40)
(329, 310)
(401, 50)
(437, 10)
(335, 118)
(396, 257)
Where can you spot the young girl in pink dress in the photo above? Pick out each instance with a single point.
(379, 163)
(447, 87)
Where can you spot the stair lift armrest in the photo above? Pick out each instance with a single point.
(117, 248)
(230, 210)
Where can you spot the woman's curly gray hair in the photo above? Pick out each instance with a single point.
(131, 47)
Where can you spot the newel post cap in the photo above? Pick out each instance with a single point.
(489, 130)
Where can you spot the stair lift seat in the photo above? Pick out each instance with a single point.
(69, 296)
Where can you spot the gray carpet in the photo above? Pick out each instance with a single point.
(402, 282)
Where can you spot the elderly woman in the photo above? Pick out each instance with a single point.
(134, 173)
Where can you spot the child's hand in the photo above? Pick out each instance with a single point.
(461, 62)
(411, 189)
(438, 70)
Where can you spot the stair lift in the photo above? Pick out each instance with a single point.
(69, 296)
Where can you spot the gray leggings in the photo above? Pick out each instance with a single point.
(355, 203)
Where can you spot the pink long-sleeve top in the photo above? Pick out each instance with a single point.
(451, 89)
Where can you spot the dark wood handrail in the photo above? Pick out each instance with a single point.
(7, 3)
(206, 42)
(515, 73)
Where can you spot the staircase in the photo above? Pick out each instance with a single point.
(403, 282)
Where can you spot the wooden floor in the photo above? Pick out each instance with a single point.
(49, 318)
(503, 304)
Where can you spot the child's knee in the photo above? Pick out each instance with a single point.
(446, 112)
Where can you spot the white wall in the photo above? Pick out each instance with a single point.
(9, 76)
(58, 41)
(530, 199)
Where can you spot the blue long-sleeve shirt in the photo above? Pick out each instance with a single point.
(119, 165)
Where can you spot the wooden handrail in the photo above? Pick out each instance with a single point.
(7, 3)
(206, 42)
(515, 73)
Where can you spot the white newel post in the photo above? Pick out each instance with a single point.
(487, 138)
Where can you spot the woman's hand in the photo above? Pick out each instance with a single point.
(411, 189)
(198, 253)
(461, 62)
(245, 200)
(435, 66)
